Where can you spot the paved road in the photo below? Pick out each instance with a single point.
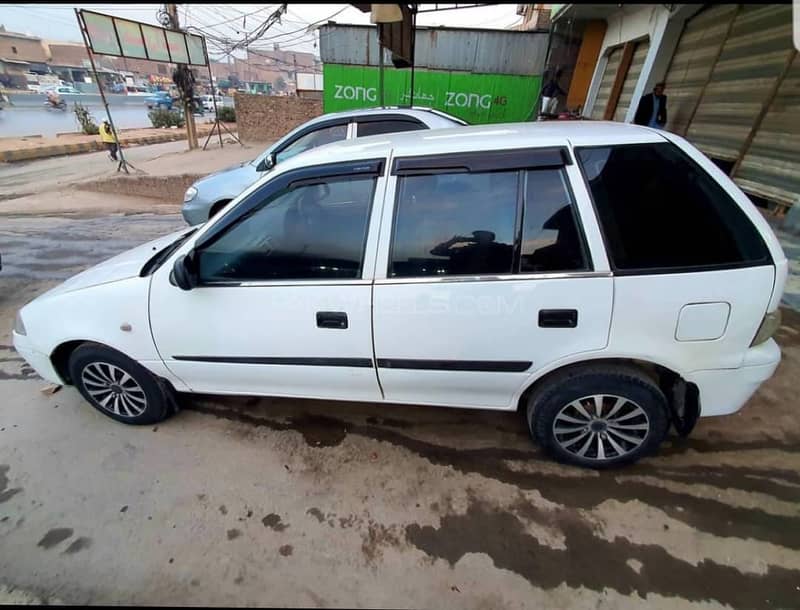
(310, 503)
(29, 116)
(28, 177)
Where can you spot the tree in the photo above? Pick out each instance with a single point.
(280, 84)
(234, 81)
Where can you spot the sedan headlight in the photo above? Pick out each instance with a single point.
(19, 327)
(190, 194)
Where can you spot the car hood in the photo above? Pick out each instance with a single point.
(123, 266)
(238, 171)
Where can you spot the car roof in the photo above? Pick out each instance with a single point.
(499, 136)
(428, 115)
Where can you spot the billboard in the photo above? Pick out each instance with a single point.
(476, 98)
(125, 38)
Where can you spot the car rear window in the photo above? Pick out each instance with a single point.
(659, 210)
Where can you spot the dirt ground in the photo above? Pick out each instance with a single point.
(247, 501)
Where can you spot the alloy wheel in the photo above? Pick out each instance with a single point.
(601, 427)
(113, 389)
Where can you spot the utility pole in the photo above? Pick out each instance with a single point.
(191, 128)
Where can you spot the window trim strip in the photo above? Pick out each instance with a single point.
(482, 161)
(494, 278)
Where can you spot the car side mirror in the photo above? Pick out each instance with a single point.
(267, 163)
(183, 275)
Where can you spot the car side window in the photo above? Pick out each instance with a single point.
(550, 238)
(658, 209)
(312, 139)
(454, 224)
(313, 231)
(375, 128)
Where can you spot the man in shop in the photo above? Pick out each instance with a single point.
(550, 93)
(652, 110)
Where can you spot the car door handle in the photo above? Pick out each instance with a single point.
(331, 319)
(558, 318)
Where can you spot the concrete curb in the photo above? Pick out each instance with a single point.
(43, 152)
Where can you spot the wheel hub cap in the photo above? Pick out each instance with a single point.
(113, 389)
(601, 427)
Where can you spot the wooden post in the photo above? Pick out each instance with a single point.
(619, 80)
(191, 128)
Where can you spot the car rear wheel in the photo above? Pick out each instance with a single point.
(599, 417)
(117, 386)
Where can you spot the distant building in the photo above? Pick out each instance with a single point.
(21, 54)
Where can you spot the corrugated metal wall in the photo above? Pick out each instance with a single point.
(604, 91)
(771, 166)
(478, 51)
(692, 62)
(631, 78)
(752, 58)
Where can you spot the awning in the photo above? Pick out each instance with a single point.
(13, 61)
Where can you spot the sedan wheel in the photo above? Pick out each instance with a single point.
(601, 427)
(113, 389)
(598, 416)
(118, 386)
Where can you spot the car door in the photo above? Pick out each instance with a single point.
(484, 277)
(283, 302)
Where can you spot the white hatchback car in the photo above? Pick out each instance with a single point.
(607, 280)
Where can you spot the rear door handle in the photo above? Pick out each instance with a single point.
(558, 318)
(331, 319)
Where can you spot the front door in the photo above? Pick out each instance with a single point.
(488, 279)
(283, 304)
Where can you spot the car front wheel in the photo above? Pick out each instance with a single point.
(599, 417)
(117, 386)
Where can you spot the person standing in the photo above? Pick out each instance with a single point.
(550, 93)
(107, 138)
(652, 110)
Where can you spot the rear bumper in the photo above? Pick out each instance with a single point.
(39, 362)
(725, 391)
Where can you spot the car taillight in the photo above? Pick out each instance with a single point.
(770, 323)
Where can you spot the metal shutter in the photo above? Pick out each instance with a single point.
(604, 91)
(631, 78)
(771, 166)
(752, 58)
(692, 62)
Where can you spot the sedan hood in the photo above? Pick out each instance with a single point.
(236, 172)
(123, 266)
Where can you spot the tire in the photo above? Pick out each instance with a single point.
(563, 419)
(99, 374)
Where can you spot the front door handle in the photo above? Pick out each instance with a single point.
(331, 319)
(558, 318)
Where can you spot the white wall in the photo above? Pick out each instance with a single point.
(628, 23)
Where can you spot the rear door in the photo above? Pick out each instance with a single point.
(483, 277)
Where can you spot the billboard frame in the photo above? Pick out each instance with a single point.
(139, 24)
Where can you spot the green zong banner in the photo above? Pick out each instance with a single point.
(476, 98)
